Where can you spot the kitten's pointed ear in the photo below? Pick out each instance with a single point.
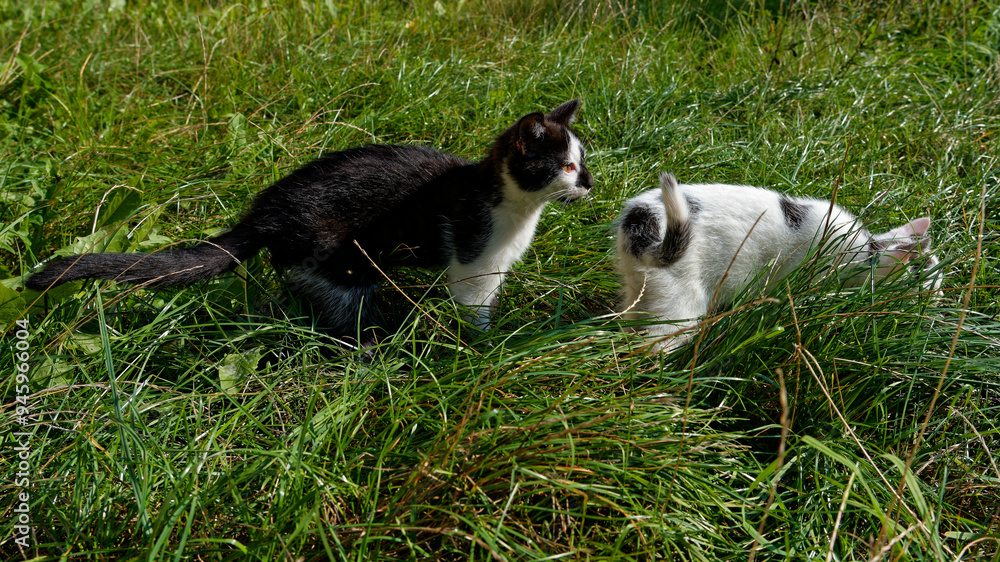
(565, 114)
(918, 227)
(910, 240)
(913, 229)
(529, 130)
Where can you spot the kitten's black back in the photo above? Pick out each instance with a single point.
(385, 197)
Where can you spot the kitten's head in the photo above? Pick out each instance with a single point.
(906, 246)
(541, 158)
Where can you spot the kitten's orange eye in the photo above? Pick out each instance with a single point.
(571, 167)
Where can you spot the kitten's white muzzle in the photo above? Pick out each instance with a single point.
(572, 194)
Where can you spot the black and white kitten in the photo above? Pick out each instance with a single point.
(403, 205)
(682, 249)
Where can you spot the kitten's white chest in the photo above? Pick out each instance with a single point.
(512, 234)
(477, 283)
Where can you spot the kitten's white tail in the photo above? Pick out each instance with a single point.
(674, 203)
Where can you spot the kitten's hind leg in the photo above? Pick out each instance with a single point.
(345, 311)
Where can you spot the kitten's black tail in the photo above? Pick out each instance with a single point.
(168, 268)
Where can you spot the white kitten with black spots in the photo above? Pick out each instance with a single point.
(685, 249)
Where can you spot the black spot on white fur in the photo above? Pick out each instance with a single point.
(794, 213)
(694, 207)
(641, 230)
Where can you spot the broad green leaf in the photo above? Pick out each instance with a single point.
(120, 206)
(236, 367)
(12, 306)
(50, 372)
(147, 230)
(100, 241)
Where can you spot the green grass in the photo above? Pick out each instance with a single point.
(213, 423)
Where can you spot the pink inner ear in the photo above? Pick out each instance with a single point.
(919, 227)
(913, 229)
